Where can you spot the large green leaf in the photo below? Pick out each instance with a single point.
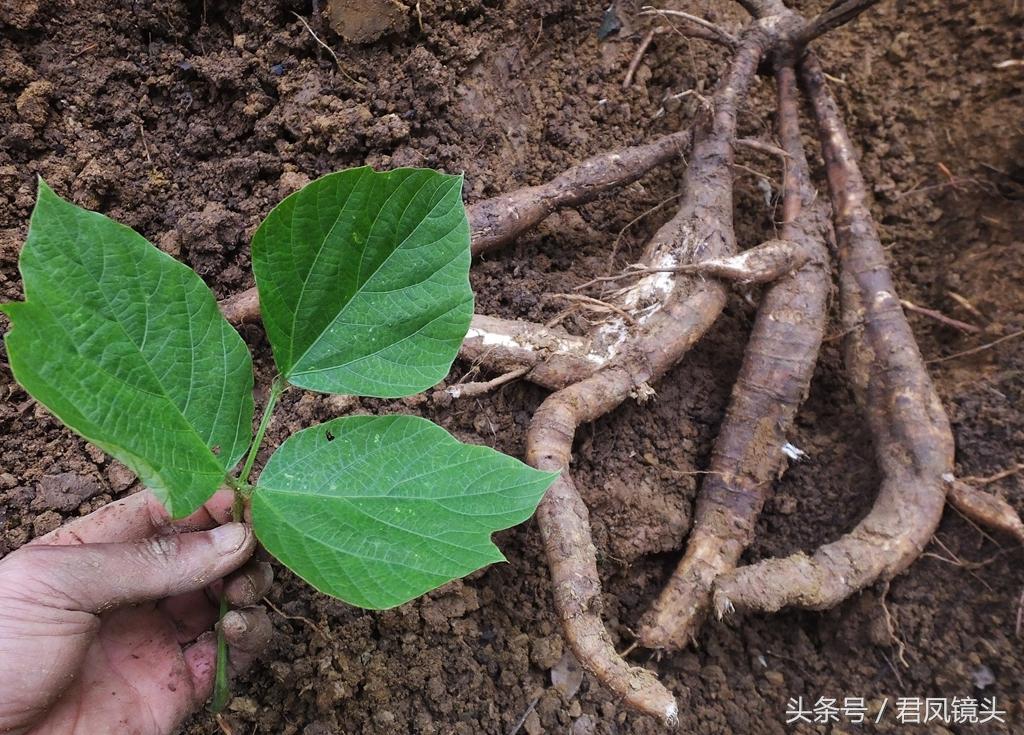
(126, 346)
(376, 510)
(364, 281)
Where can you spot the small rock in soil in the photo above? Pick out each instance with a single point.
(63, 492)
(982, 677)
(245, 706)
(567, 675)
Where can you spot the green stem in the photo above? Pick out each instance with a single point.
(221, 681)
(276, 389)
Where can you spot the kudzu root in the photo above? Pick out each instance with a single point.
(498, 221)
(987, 510)
(764, 263)
(553, 358)
(773, 380)
(912, 438)
(671, 313)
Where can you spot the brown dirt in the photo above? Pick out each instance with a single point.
(189, 120)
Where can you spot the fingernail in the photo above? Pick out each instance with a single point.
(229, 538)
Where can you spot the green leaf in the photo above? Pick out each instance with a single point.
(364, 281)
(126, 346)
(377, 510)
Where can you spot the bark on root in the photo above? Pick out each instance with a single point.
(911, 434)
(773, 381)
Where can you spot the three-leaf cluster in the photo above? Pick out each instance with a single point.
(364, 290)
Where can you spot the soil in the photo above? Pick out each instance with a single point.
(188, 120)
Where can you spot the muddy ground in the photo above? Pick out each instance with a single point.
(189, 120)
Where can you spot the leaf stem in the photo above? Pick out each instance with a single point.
(237, 506)
(276, 389)
(221, 680)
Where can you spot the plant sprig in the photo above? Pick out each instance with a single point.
(364, 286)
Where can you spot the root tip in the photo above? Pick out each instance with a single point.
(723, 607)
(672, 714)
(794, 452)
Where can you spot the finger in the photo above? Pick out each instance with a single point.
(136, 517)
(249, 584)
(201, 659)
(97, 577)
(247, 632)
(191, 614)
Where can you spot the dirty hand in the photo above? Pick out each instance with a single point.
(105, 623)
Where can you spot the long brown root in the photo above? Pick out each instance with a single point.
(912, 438)
(497, 222)
(554, 357)
(838, 13)
(773, 380)
(985, 509)
(764, 263)
(683, 309)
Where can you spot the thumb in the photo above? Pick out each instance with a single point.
(96, 577)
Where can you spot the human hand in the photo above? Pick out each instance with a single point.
(105, 623)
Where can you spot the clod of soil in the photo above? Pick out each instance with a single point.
(363, 21)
